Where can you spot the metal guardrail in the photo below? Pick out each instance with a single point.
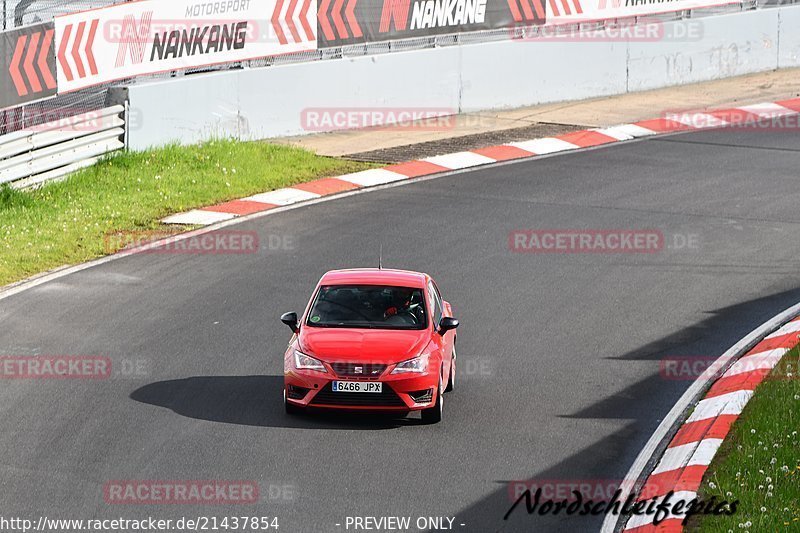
(29, 158)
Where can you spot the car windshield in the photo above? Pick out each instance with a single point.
(368, 306)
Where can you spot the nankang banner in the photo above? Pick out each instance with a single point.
(27, 63)
(150, 36)
(357, 21)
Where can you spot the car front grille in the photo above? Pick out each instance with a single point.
(386, 398)
(358, 370)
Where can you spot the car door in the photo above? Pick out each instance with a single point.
(445, 342)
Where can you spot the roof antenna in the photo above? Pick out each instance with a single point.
(380, 258)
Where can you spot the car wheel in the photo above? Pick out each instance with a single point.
(291, 409)
(432, 415)
(451, 381)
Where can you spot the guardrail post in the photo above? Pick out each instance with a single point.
(125, 114)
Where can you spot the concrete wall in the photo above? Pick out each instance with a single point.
(789, 45)
(731, 45)
(268, 102)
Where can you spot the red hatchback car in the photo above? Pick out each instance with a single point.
(372, 340)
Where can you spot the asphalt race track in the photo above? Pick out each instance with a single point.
(558, 353)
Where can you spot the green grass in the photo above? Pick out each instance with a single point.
(759, 461)
(65, 223)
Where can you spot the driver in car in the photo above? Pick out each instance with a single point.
(404, 305)
(401, 304)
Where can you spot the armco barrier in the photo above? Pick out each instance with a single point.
(268, 102)
(28, 158)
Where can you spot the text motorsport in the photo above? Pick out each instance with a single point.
(666, 508)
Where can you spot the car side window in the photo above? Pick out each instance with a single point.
(437, 304)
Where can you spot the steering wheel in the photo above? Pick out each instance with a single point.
(410, 314)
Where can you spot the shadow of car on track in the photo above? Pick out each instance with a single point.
(251, 401)
(629, 414)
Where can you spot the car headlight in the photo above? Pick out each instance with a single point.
(306, 362)
(417, 364)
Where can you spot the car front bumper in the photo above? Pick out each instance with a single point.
(401, 392)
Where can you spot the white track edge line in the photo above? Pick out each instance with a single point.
(678, 411)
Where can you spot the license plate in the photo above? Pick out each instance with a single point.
(357, 386)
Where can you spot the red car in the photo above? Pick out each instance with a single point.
(372, 340)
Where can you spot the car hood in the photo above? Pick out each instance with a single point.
(361, 345)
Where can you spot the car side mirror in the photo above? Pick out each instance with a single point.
(446, 324)
(290, 319)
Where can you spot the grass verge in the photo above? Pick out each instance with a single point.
(65, 223)
(759, 461)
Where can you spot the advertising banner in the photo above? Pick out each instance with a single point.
(564, 11)
(150, 36)
(358, 21)
(28, 65)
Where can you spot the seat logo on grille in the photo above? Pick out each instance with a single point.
(358, 370)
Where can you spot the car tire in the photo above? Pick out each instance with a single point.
(451, 381)
(433, 415)
(291, 409)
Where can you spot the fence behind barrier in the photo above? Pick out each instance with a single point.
(15, 13)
